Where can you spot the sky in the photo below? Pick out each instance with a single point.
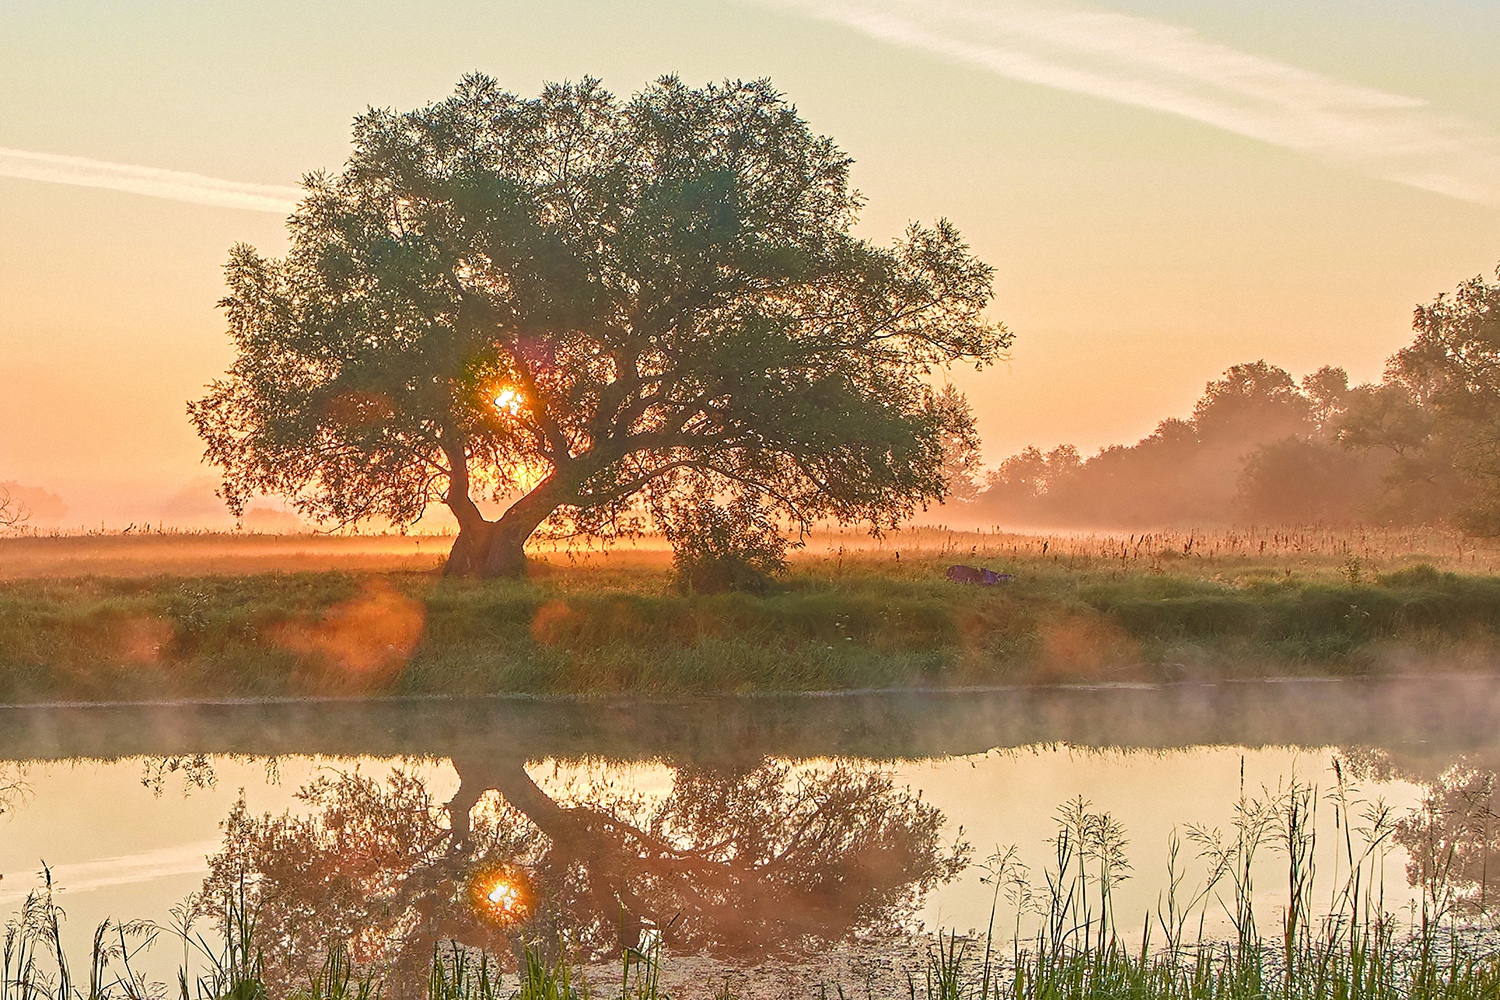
(1164, 187)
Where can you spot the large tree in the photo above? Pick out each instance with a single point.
(771, 858)
(593, 306)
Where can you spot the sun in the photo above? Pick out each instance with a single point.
(508, 400)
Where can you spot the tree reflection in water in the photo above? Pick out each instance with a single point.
(766, 856)
(1453, 844)
(1452, 837)
(14, 788)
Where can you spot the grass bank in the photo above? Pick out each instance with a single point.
(1079, 610)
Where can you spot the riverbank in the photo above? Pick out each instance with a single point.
(1077, 609)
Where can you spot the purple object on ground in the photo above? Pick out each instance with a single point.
(975, 575)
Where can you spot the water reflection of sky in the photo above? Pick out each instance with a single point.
(729, 837)
(118, 848)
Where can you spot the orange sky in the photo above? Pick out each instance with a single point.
(1153, 218)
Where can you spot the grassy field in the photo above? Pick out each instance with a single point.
(147, 617)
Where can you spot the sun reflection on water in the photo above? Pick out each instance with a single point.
(501, 895)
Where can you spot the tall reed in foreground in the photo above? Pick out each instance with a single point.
(1335, 938)
(1342, 946)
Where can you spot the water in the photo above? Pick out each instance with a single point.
(736, 827)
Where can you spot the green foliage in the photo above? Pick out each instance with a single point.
(1310, 622)
(338, 979)
(719, 547)
(575, 297)
(1420, 575)
(544, 980)
(457, 974)
(827, 625)
(1437, 414)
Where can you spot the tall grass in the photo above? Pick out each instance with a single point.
(1334, 939)
(1053, 934)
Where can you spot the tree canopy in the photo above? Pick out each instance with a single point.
(771, 858)
(1437, 412)
(593, 307)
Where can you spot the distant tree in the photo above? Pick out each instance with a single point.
(1421, 446)
(31, 503)
(1309, 476)
(961, 461)
(1032, 473)
(1200, 470)
(1385, 416)
(1021, 476)
(582, 303)
(1421, 482)
(1254, 401)
(1160, 479)
(13, 513)
(1437, 413)
(1304, 480)
(1327, 393)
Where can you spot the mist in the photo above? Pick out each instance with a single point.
(1259, 447)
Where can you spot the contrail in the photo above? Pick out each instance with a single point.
(175, 185)
(1144, 63)
(102, 873)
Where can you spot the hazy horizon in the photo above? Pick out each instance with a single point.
(1165, 188)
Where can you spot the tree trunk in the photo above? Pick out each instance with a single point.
(497, 549)
(505, 555)
(577, 833)
(467, 555)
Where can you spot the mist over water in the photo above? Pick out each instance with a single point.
(695, 810)
(1410, 718)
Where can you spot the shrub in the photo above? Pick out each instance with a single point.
(718, 547)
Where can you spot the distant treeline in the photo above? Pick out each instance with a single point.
(1420, 446)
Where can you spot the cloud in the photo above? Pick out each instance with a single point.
(174, 185)
(1148, 64)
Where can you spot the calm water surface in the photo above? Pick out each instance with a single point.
(733, 825)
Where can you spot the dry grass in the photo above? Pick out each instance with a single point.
(1307, 552)
(138, 554)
